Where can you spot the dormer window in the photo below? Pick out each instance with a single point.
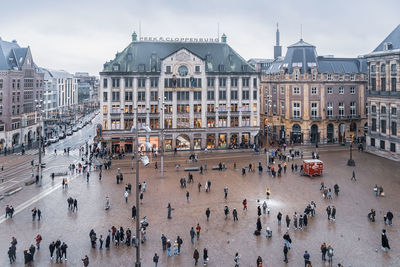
(314, 76)
(352, 77)
(296, 75)
(221, 67)
(387, 46)
(142, 67)
(116, 67)
(244, 68)
(329, 77)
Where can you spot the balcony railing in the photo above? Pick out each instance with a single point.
(296, 118)
(315, 118)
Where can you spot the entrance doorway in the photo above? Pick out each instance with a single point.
(330, 133)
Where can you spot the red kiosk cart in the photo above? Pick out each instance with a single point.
(312, 167)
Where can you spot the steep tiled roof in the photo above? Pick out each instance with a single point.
(7, 53)
(304, 56)
(393, 38)
(150, 54)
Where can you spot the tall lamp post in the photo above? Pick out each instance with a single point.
(136, 131)
(162, 134)
(38, 109)
(351, 161)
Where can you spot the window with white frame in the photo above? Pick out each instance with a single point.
(314, 76)
(296, 110)
(341, 77)
(353, 108)
(341, 90)
(314, 90)
(352, 77)
(341, 109)
(329, 90)
(282, 108)
(282, 90)
(329, 110)
(329, 77)
(314, 109)
(352, 90)
(296, 90)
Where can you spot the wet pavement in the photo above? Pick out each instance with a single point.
(352, 236)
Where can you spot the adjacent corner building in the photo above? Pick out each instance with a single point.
(309, 98)
(383, 97)
(21, 91)
(199, 93)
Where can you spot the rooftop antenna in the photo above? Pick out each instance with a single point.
(140, 29)
(301, 31)
(218, 31)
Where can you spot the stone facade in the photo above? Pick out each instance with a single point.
(195, 103)
(383, 97)
(21, 91)
(313, 99)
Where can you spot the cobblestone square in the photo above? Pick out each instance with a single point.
(354, 239)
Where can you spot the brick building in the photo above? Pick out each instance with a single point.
(310, 98)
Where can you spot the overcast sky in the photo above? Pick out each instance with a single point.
(80, 35)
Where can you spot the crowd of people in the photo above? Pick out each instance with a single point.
(116, 237)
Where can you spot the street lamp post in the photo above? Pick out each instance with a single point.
(351, 161)
(147, 129)
(162, 136)
(38, 109)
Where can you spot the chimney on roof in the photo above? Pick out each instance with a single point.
(134, 37)
(223, 38)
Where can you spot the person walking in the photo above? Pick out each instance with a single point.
(10, 255)
(180, 242)
(34, 212)
(226, 192)
(199, 186)
(385, 241)
(208, 213)
(285, 252)
(169, 211)
(279, 217)
(133, 212)
(126, 194)
(287, 239)
(192, 233)
(205, 256)
(306, 257)
(237, 259)
(39, 214)
(196, 256)
(258, 211)
(169, 254)
(108, 239)
(330, 253)
(323, 251)
(64, 250)
(155, 257)
(101, 240)
(333, 213)
(38, 240)
(75, 205)
(259, 261)
(287, 221)
(389, 216)
(328, 212)
(187, 196)
(235, 216)
(85, 261)
(198, 228)
(353, 177)
(244, 204)
(52, 246)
